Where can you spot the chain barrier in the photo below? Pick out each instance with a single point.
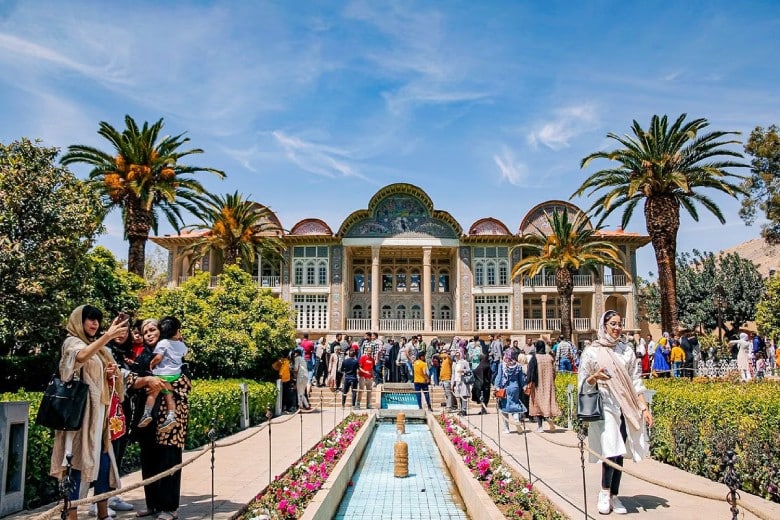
(733, 485)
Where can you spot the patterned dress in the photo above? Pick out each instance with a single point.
(542, 402)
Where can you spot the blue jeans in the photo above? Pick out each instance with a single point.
(101, 484)
(310, 365)
(676, 368)
(422, 388)
(564, 365)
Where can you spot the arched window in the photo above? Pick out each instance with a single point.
(444, 281)
(479, 273)
(322, 273)
(387, 281)
(298, 276)
(503, 272)
(359, 284)
(445, 312)
(400, 312)
(387, 312)
(416, 312)
(414, 281)
(400, 280)
(310, 272)
(491, 273)
(357, 312)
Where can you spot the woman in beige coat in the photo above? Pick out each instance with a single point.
(541, 387)
(85, 355)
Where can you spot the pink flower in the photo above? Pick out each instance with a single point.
(283, 506)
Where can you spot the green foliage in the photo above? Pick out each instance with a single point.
(763, 185)
(111, 288)
(695, 423)
(235, 329)
(209, 400)
(48, 219)
(768, 309)
(30, 372)
(697, 276)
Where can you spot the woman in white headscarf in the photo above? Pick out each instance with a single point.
(610, 365)
(743, 356)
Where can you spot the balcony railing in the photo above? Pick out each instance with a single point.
(267, 281)
(553, 324)
(361, 324)
(583, 280)
(533, 324)
(443, 325)
(401, 325)
(539, 281)
(616, 280)
(581, 323)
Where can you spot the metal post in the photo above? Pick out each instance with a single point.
(570, 399)
(481, 417)
(213, 440)
(527, 452)
(498, 426)
(66, 487)
(731, 479)
(301, 416)
(322, 428)
(269, 415)
(581, 439)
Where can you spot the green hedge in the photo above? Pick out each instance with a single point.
(217, 400)
(697, 422)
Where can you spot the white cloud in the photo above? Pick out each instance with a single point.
(327, 161)
(566, 124)
(511, 170)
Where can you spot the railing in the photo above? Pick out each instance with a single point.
(401, 325)
(533, 324)
(267, 281)
(615, 280)
(539, 281)
(443, 325)
(183, 278)
(581, 323)
(361, 324)
(583, 280)
(553, 324)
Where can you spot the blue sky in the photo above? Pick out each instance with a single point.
(311, 107)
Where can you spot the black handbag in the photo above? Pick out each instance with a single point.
(589, 406)
(63, 404)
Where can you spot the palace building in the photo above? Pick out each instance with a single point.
(400, 266)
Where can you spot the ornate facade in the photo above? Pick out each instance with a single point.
(400, 266)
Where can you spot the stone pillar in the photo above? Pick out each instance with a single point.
(544, 312)
(426, 283)
(375, 288)
(175, 266)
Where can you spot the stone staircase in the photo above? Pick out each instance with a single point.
(326, 398)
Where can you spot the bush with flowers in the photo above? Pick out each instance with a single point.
(513, 495)
(288, 495)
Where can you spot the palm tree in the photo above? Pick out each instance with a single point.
(567, 248)
(141, 177)
(238, 230)
(664, 166)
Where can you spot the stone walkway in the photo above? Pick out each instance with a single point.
(241, 471)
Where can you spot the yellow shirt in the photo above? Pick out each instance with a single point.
(678, 354)
(283, 366)
(420, 371)
(445, 373)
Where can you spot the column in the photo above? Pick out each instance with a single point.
(426, 283)
(544, 312)
(375, 288)
(175, 261)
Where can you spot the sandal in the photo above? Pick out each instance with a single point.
(168, 515)
(146, 512)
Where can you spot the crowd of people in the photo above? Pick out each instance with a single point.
(138, 390)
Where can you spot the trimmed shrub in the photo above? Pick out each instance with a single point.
(697, 422)
(217, 400)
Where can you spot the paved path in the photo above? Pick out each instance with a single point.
(241, 471)
(559, 469)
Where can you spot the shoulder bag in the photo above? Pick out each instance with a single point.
(63, 404)
(589, 405)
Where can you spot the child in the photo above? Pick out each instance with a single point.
(760, 366)
(166, 365)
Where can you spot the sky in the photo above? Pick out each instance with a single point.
(312, 107)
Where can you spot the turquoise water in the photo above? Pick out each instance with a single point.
(399, 401)
(427, 493)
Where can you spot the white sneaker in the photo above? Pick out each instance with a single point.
(617, 506)
(94, 512)
(604, 505)
(117, 504)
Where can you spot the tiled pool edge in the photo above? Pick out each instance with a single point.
(478, 503)
(326, 502)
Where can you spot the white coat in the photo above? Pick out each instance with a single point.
(604, 436)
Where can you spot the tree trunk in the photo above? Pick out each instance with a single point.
(564, 280)
(138, 223)
(662, 217)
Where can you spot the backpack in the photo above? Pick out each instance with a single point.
(468, 378)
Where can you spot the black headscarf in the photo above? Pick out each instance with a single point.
(533, 365)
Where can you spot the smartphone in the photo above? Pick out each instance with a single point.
(121, 316)
(606, 372)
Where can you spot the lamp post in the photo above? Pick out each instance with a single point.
(719, 299)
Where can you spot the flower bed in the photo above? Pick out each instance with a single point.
(287, 496)
(513, 495)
